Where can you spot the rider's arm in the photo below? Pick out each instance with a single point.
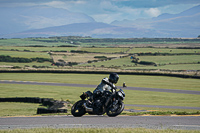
(106, 81)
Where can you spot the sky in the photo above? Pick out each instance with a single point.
(108, 11)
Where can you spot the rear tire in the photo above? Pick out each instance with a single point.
(112, 113)
(78, 109)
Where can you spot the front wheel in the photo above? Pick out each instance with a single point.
(78, 109)
(115, 110)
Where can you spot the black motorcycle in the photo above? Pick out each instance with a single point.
(99, 103)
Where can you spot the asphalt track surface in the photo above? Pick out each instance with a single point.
(152, 122)
(126, 88)
(94, 86)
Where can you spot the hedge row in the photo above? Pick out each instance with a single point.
(164, 54)
(47, 111)
(26, 99)
(23, 99)
(48, 102)
(107, 72)
(8, 58)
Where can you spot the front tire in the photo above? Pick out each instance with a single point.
(114, 111)
(78, 109)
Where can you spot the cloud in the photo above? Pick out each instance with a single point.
(152, 3)
(119, 3)
(111, 10)
(153, 12)
(108, 12)
(69, 4)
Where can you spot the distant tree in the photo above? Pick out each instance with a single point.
(100, 57)
(60, 60)
(135, 60)
(199, 36)
(16, 67)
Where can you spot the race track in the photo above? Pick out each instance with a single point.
(94, 86)
(153, 122)
(126, 88)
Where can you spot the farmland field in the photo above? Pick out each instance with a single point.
(163, 50)
(185, 62)
(26, 42)
(36, 49)
(106, 50)
(170, 62)
(79, 52)
(6, 65)
(102, 42)
(25, 54)
(82, 57)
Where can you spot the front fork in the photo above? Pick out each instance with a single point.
(115, 101)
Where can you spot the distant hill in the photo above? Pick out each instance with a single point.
(93, 29)
(184, 24)
(18, 19)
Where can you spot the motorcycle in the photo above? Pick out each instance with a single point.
(104, 102)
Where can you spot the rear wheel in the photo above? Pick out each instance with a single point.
(115, 110)
(78, 109)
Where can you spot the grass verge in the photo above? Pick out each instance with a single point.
(160, 113)
(97, 130)
(18, 109)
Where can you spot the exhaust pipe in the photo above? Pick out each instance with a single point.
(87, 108)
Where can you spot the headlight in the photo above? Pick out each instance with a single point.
(120, 95)
(122, 92)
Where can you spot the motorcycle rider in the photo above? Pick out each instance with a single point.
(106, 84)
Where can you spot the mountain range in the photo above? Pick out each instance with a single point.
(43, 22)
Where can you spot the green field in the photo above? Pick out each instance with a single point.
(188, 60)
(132, 97)
(25, 54)
(181, 62)
(163, 50)
(102, 42)
(184, 67)
(27, 42)
(36, 49)
(22, 65)
(171, 59)
(106, 50)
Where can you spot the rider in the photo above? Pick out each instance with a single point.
(106, 84)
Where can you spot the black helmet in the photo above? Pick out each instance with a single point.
(113, 78)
